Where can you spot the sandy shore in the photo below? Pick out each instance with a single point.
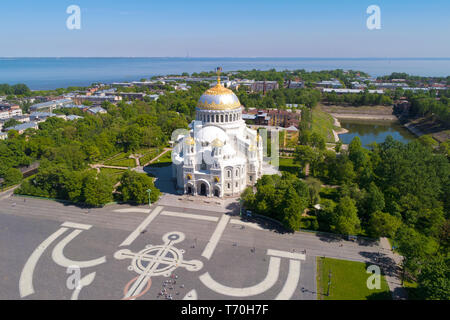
(341, 130)
(349, 116)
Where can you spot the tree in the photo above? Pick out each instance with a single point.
(373, 201)
(292, 210)
(134, 186)
(428, 141)
(314, 186)
(382, 224)
(346, 219)
(338, 146)
(248, 197)
(414, 247)
(357, 154)
(325, 216)
(434, 279)
(97, 190)
(10, 123)
(12, 176)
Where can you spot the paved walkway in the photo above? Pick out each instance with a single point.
(158, 156)
(393, 274)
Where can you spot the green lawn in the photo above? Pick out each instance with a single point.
(164, 161)
(121, 162)
(348, 281)
(288, 165)
(149, 155)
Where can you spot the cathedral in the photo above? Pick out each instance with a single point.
(220, 156)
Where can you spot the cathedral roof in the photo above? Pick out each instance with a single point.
(218, 98)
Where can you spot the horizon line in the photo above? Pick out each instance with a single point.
(199, 57)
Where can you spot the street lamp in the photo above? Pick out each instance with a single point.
(149, 201)
(329, 283)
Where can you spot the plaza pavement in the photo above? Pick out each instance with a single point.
(214, 253)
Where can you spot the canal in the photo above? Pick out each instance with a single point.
(374, 131)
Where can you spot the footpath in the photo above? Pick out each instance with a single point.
(393, 274)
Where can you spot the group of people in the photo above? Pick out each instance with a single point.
(169, 285)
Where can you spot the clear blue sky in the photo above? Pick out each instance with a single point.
(234, 28)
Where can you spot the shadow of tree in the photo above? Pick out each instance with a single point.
(386, 263)
(385, 295)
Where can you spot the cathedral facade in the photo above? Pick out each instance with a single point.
(220, 156)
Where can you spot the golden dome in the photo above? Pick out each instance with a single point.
(217, 143)
(218, 98)
(189, 141)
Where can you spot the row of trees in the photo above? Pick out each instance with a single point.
(86, 186)
(17, 89)
(357, 99)
(279, 98)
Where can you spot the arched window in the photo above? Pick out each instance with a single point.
(237, 172)
(217, 118)
(221, 118)
(226, 118)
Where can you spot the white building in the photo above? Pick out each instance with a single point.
(219, 156)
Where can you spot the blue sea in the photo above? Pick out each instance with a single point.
(51, 73)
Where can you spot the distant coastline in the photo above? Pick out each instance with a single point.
(50, 73)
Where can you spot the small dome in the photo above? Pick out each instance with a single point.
(217, 143)
(189, 141)
(210, 133)
(252, 148)
(218, 98)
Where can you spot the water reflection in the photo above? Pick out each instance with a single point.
(374, 131)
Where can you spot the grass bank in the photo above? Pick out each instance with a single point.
(323, 123)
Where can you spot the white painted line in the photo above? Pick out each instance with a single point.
(266, 284)
(291, 282)
(60, 259)
(191, 295)
(133, 210)
(76, 225)
(84, 282)
(285, 254)
(189, 216)
(141, 227)
(211, 246)
(26, 277)
(246, 224)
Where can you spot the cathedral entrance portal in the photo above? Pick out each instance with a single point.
(203, 189)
